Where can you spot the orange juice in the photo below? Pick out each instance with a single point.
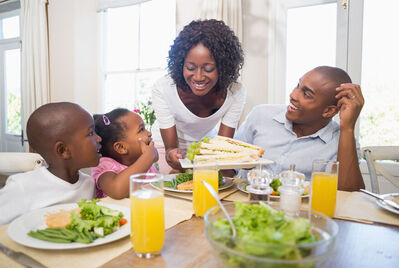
(147, 221)
(202, 199)
(324, 192)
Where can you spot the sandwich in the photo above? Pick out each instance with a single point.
(224, 150)
(235, 145)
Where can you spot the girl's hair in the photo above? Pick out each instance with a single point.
(110, 130)
(222, 43)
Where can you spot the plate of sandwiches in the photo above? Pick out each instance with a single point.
(229, 153)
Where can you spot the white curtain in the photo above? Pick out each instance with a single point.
(35, 82)
(230, 11)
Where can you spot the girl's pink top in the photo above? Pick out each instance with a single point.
(108, 164)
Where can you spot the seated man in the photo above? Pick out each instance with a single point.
(304, 131)
(63, 134)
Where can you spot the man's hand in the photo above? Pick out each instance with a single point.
(173, 156)
(149, 150)
(350, 103)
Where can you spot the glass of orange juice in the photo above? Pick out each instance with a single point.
(202, 199)
(147, 214)
(324, 186)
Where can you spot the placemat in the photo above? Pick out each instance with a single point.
(222, 194)
(176, 211)
(353, 206)
(357, 206)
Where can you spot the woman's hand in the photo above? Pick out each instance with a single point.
(172, 157)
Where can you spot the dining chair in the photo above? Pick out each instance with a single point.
(16, 162)
(373, 154)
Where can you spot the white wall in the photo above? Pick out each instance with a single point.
(74, 52)
(75, 38)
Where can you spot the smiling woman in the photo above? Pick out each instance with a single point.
(200, 96)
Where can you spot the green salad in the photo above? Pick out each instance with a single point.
(94, 221)
(263, 232)
(186, 176)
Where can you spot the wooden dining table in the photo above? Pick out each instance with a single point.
(357, 245)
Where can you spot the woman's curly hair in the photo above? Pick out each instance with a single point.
(222, 43)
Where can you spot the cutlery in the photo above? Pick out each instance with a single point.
(215, 195)
(21, 258)
(386, 201)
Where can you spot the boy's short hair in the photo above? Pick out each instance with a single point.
(49, 123)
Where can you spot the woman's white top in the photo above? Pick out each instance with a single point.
(171, 111)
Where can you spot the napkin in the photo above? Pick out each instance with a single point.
(176, 211)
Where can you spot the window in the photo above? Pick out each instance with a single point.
(10, 77)
(379, 120)
(136, 44)
(359, 39)
(313, 47)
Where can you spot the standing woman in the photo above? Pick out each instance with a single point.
(200, 96)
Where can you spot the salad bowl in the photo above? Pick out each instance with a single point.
(304, 241)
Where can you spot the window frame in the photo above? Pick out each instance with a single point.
(8, 141)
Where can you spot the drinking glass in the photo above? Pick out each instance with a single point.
(147, 214)
(202, 199)
(324, 186)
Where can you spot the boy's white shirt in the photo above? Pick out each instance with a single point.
(39, 188)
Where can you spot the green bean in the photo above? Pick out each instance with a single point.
(55, 234)
(82, 239)
(46, 238)
(70, 234)
(59, 233)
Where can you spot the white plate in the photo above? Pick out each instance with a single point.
(19, 228)
(385, 206)
(186, 163)
(242, 185)
(228, 183)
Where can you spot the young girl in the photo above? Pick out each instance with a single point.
(127, 149)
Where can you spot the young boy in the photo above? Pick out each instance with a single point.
(63, 134)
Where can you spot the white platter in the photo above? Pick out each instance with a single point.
(186, 163)
(19, 228)
(227, 184)
(384, 205)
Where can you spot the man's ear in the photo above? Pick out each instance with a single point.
(120, 147)
(62, 150)
(330, 111)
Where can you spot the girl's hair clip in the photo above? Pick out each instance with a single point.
(106, 120)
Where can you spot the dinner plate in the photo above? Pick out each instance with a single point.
(186, 163)
(384, 205)
(227, 184)
(19, 228)
(242, 187)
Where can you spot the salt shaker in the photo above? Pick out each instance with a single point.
(291, 191)
(259, 188)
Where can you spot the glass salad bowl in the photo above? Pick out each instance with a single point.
(268, 238)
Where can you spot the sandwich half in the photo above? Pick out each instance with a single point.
(232, 145)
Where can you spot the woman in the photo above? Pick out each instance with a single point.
(200, 96)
